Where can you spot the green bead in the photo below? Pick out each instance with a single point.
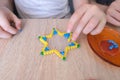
(42, 53)
(53, 28)
(64, 58)
(39, 37)
(78, 46)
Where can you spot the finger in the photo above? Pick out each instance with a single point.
(75, 18)
(116, 6)
(113, 21)
(6, 26)
(91, 25)
(85, 19)
(17, 22)
(4, 34)
(114, 13)
(99, 28)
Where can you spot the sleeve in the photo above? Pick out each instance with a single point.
(105, 2)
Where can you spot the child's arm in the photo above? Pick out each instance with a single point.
(78, 3)
(87, 18)
(102, 7)
(6, 17)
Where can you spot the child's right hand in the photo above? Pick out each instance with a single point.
(6, 17)
(87, 19)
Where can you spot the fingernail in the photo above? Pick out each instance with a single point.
(92, 33)
(19, 28)
(73, 39)
(68, 31)
(85, 33)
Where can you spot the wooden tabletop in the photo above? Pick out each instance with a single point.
(20, 58)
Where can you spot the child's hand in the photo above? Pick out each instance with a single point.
(6, 17)
(87, 19)
(113, 13)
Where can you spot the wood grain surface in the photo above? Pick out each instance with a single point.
(20, 58)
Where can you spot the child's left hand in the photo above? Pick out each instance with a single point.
(87, 19)
(113, 13)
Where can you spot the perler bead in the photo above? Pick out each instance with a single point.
(113, 44)
(62, 54)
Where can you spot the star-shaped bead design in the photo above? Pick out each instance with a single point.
(62, 54)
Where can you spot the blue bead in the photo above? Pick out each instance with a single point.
(44, 38)
(54, 32)
(20, 30)
(62, 52)
(47, 49)
(111, 47)
(114, 43)
(67, 35)
(71, 44)
(115, 46)
(110, 41)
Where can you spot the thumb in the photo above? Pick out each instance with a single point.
(17, 21)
